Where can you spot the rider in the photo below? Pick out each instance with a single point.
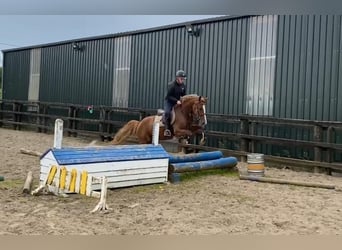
(175, 90)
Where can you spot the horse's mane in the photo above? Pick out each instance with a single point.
(188, 97)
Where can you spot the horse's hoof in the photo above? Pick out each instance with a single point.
(203, 141)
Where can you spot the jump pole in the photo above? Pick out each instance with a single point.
(205, 156)
(221, 163)
(289, 182)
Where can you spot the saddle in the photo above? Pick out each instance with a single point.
(160, 117)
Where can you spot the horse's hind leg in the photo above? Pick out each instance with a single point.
(144, 139)
(144, 131)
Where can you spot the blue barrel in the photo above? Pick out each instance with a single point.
(195, 157)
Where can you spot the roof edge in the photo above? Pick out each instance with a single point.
(120, 34)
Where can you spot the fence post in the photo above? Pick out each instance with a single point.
(16, 116)
(107, 118)
(103, 125)
(317, 137)
(74, 125)
(38, 129)
(102, 121)
(1, 114)
(70, 120)
(45, 108)
(72, 113)
(330, 136)
(244, 129)
(330, 152)
(142, 115)
(252, 130)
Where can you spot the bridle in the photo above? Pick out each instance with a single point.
(198, 112)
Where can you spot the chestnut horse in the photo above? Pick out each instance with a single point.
(188, 119)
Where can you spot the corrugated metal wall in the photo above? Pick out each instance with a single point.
(134, 70)
(82, 76)
(16, 75)
(215, 62)
(309, 68)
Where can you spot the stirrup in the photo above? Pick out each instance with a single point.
(167, 132)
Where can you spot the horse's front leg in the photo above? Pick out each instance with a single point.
(182, 132)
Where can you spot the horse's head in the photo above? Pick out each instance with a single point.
(196, 110)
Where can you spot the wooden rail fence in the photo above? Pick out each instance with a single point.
(321, 141)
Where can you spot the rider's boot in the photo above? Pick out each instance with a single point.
(167, 131)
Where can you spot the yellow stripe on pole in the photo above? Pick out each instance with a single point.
(51, 175)
(73, 180)
(62, 178)
(84, 178)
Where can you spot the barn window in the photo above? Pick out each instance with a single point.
(121, 71)
(261, 65)
(33, 91)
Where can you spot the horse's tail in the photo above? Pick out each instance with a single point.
(129, 129)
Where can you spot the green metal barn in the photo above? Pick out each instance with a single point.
(282, 66)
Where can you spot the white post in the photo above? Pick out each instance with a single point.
(57, 143)
(155, 133)
(102, 205)
(205, 116)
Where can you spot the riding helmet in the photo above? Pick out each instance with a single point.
(180, 73)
